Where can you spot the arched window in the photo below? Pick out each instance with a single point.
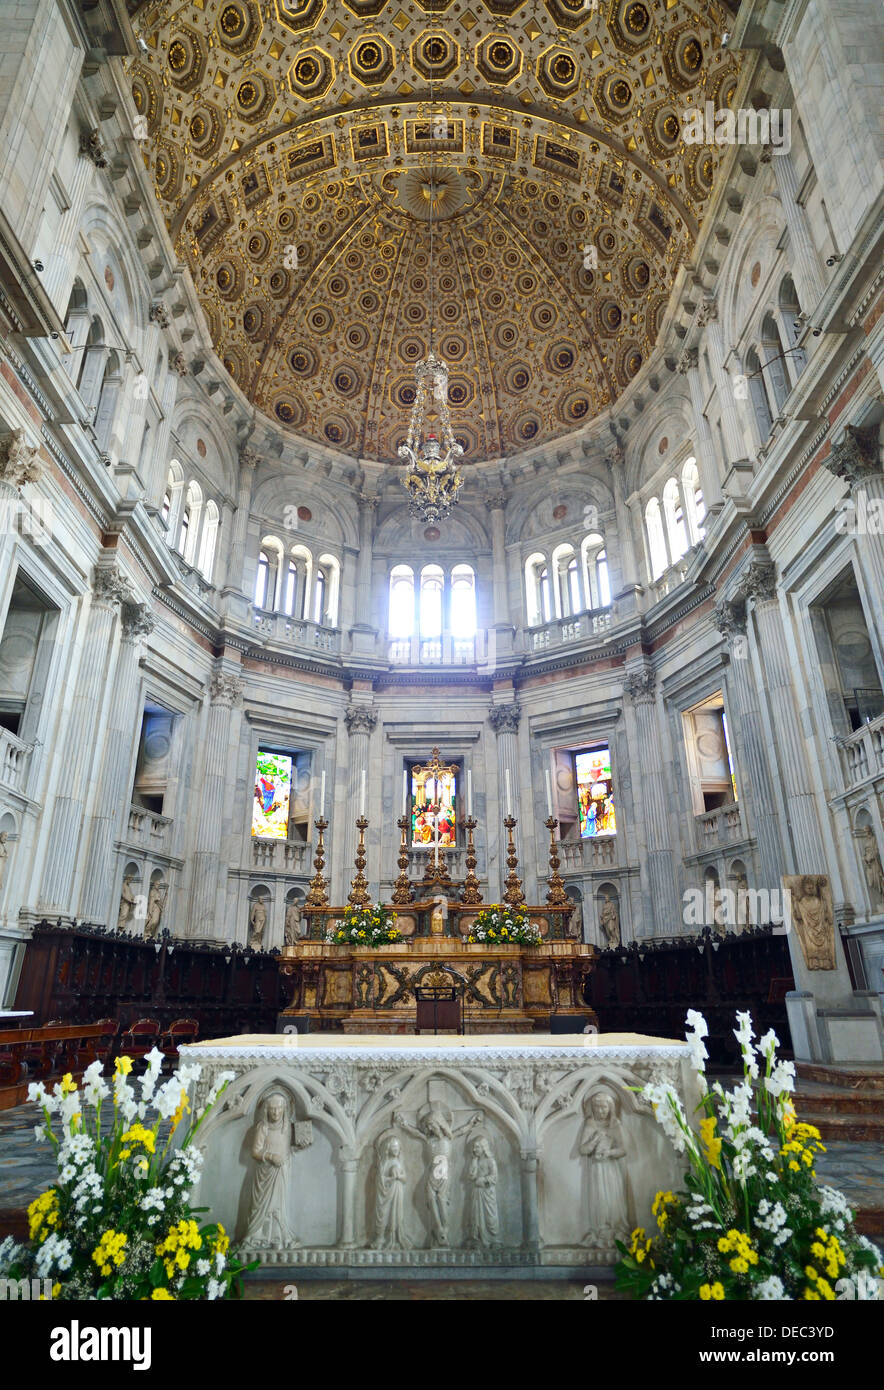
(401, 601)
(693, 494)
(675, 522)
(546, 595)
(432, 586)
(319, 597)
(301, 598)
(758, 396)
(262, 579)
(656, 539)
(187, 539)
(166, 508)
(574, 594)
(331, 572)
(561, 560)
(774, 363)
(591, 547)
(463, 602)
(108, 396)
(534, 566)
(603, 578)
(790, 323)
(209, 540)
(291, 588)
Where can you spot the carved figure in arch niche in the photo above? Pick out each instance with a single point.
(482, 1225)
(601, 1142)
(257, 923)
(275, 1139)
(4, 855)
(156, 901)
(814, 918)
(292, 923)
(609, 917)
(872, 865)
(127, 904)
(435, 1130)
(389, 1199)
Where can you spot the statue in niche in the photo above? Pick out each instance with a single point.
(435, 1131)
(601, 1142)
(872, 865)
(156, 901)
(275, 1140)
(389, 1199)
(575, 922)
(814, 918)
(481, 1223)
(292, 924)
(719, 912)
(609, 916)
(257, 923)
(4, 855)
(741, 893)
(127, 904)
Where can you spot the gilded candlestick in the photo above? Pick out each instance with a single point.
(318, 895)
(358, 895)
(471, 892)
(513, 894)
(556, 897)
(402, 892)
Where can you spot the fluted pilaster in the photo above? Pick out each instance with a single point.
(661, 902)
(225, 694)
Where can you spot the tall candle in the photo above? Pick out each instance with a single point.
(509, 803)
(549, 809)
(404, 791)
(470, 794)
(322, 796)
(362, 795)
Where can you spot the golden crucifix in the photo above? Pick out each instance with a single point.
(429, 782)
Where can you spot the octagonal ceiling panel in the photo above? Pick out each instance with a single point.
(297, 150)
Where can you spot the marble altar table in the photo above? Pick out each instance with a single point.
(409, 1153)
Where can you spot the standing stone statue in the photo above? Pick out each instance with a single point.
(4, 855)
(257, 923)
(434, 1129)
(275, 1139)
(814, 918)
(609, 916)
(482, 1224)
(389, 1201)
(127, 904)
(602, 1143)
(872, 865)
(292, 924)
(156, 901)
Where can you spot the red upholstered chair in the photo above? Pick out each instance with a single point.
(183, 1030)
(140, 1039)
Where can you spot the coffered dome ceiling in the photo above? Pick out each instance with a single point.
(291, 145)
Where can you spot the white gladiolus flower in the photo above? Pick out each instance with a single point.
(95, 1088)
(668, 1112)
(698, 1052)
(769, 1043)
(697, 1023)
(38, 1094)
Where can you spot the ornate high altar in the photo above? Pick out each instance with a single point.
(505, 988)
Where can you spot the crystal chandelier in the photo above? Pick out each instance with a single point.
(431, 450)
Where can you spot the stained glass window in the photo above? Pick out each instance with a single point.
(422, 819)
(595, 793)
(273, 793)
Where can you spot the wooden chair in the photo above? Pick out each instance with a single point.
(183, 1030)
(140, 1039)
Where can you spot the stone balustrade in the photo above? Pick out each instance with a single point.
(296, 632)
(577, 856)
(281, 856)
(723, 826)
(15, 760)
(862, 753)
(562, 632)
(147, 829)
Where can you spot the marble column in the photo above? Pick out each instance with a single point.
(531, 1231)
(349, 1170)
(361, 721)
(688, 367)
(248, 462)
(731, 425)
(662, 908)
(504, 720)
(754, 781)
(855, 458)
(805, 261)
(629, 576)
(108, 593)
(225, 693)
(111, 808)
(363, 634)
(500, 643)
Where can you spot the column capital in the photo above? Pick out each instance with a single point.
(19, 460)
(707, 313)
(138, 621)
(504, 719)
(689, 361)
(225, 689)
(496, 501)
(368, 500)
(641, 687)
(360, 719)
(92, 147)
(856, 456)
(729, 616)
(108, 585)
(759, 582)
(249, 458)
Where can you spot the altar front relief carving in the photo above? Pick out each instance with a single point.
(346, 1155)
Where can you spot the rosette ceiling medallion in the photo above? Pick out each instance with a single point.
(290, 144)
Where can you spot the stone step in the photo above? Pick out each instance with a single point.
(855, 1129)
(863, 1076)
(813, 1098)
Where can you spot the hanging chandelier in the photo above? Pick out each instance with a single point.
(433, 478)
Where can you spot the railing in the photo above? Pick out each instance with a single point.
(147, 829)
(723, 826)
(455, 862)
(279, 627)
(599, 852)
(436, 651)
(593, 623)
(15, 759)
(862, 752)
(283, 856)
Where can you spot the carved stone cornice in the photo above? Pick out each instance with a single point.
(641, 687)
(730, 618)
(92, 147)
(109, 586)
(360, 719)
(19, 460)
(689, 361)
(504, 719)
(225, 689)
(856, 456)
(137, 620)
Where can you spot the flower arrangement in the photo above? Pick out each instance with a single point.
(498, 924)
(365, 926)
(117, 1224)
(753, 1223)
